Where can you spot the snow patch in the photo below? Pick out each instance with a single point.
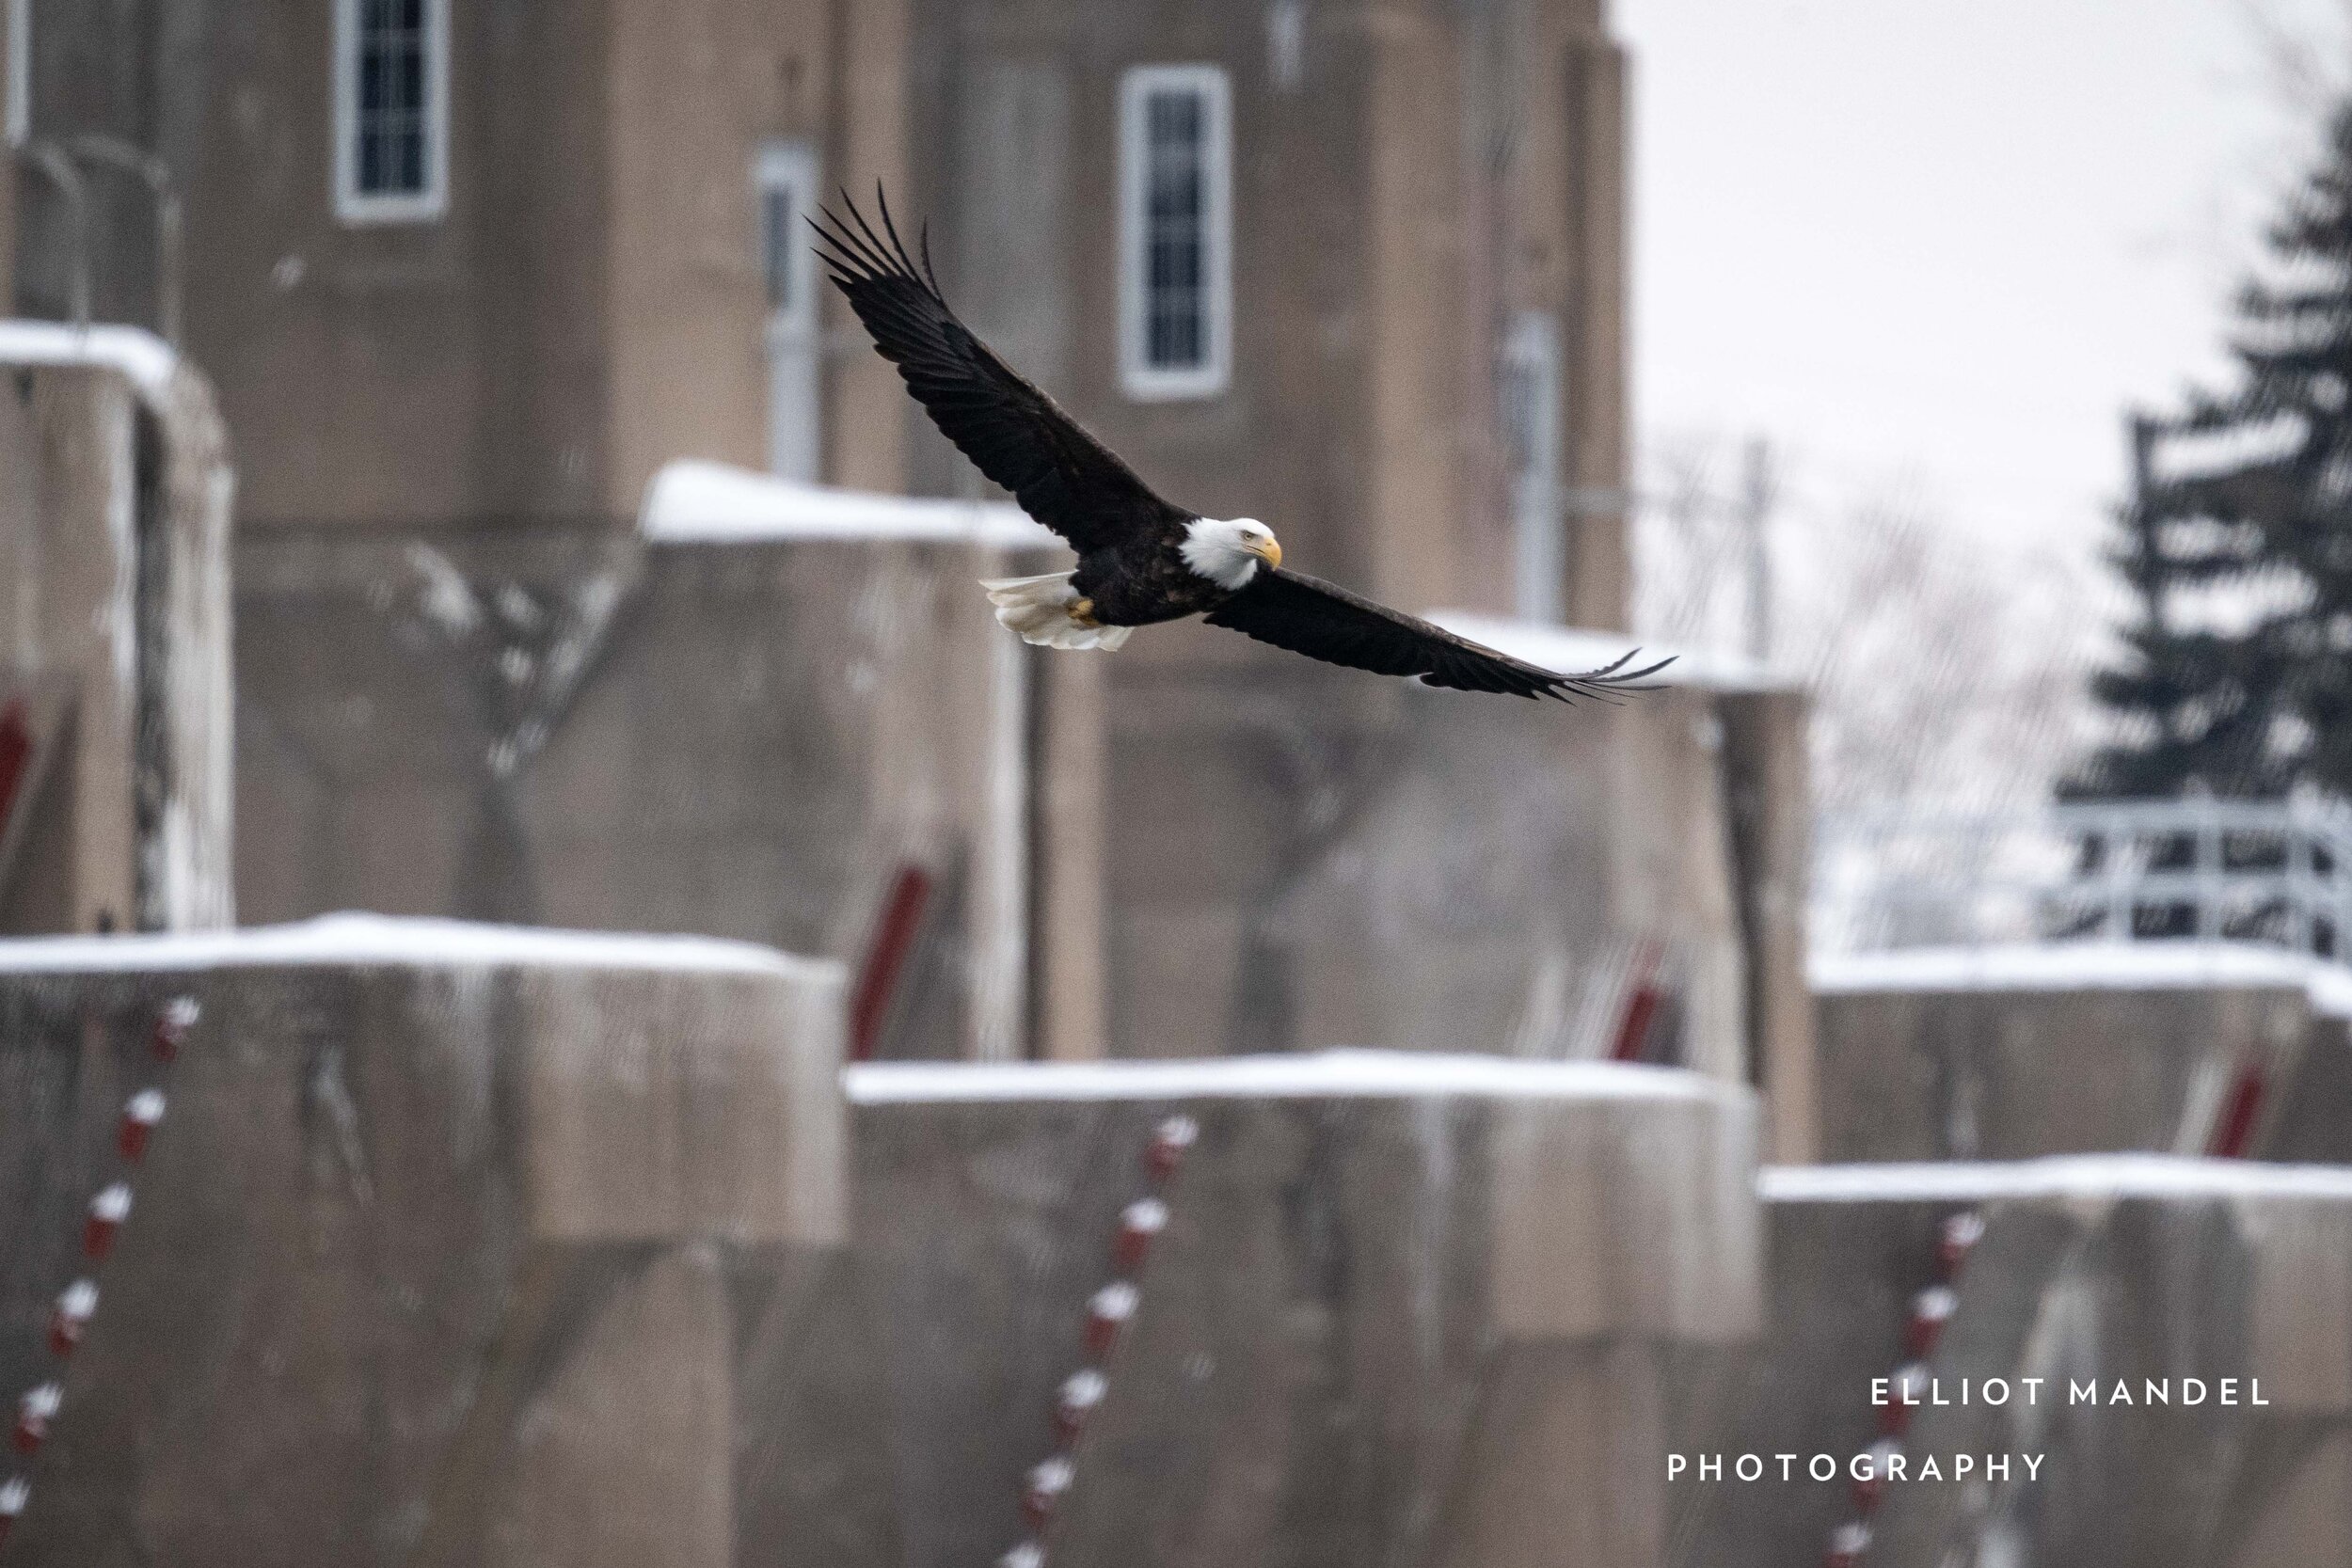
(694, 503)
(2086, 966)
(1319, 1075)
(138, 355)
(2184, 455)
(2064, 1177)
(363, 941)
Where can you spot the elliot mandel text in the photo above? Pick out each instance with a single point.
(1887, 1461)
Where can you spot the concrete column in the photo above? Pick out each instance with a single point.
(866, 427)
(2090, 1272)
(1411, 315)
(7, 191)
(189, 881)
(1070, 779)
(1765, 770)
(1562, 1464)
(113, 620)
(1611, 1255)
(626, 1461)
(1406, 1307)
(72, 643)
(1002, 861)
(454, 1246)
(1599, 558)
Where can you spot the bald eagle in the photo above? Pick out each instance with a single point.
(1141, 559)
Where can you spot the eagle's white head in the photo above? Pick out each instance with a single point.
(1226, 551)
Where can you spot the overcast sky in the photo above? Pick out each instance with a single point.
(1947, 242)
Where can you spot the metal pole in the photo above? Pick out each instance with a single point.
(2301, 877)
(1758, 495)
(2207, 854)
(2339, 886)
(2114, 840)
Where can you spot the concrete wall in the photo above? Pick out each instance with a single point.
(1429, 170)
(1919, 1070)
(1404, 1310)
(2306, 1122)
(590, 304)
(1769, 801)
(9, 175)
(1309, 857)
(2088, 1270)
(72, 649)
(748, 739)
(694, 89)
(578, 729)
(459, 1244)
(453, 1247)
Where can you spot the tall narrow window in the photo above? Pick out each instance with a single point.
(392, 110)
(1527, 392)
(1175, 240)
(784, 181)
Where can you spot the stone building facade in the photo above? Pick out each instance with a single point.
(587, 263)
(469, 279)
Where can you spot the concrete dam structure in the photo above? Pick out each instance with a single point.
(1404, 1309)
(2152, 1302)
(437, 1244)
(444, 1244)
(416, 1243)
(2013, 1051)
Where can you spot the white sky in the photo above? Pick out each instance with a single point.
(1948, 242)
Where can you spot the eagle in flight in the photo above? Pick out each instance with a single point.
(1140, 559)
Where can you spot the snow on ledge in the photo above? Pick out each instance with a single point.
(1571, 649)
(1319, 1075)
(694, 503)
(2095, 1176)
(371, 940)
(142, 358)
(2086, 966)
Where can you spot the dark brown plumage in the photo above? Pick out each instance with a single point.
(1132, 569)
(1322, 620)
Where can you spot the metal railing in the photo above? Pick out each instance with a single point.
(114, 153)
(2272, 872)
(63, 165)
(55, 164)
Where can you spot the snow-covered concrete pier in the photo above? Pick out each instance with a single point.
(437, 1244)
(1404, 1308)
(2009, 1052)
(2115, 1319)
(413, 1242)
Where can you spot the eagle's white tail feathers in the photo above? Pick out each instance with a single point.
(1038, 610)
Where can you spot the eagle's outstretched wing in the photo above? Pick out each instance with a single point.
(1316, 618)
(1013, 432)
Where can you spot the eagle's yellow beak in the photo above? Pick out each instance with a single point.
(1270, 552)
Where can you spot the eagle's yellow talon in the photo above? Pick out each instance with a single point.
(1082, 611)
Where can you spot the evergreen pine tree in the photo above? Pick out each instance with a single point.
(2237, 542)
(2200, 701)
